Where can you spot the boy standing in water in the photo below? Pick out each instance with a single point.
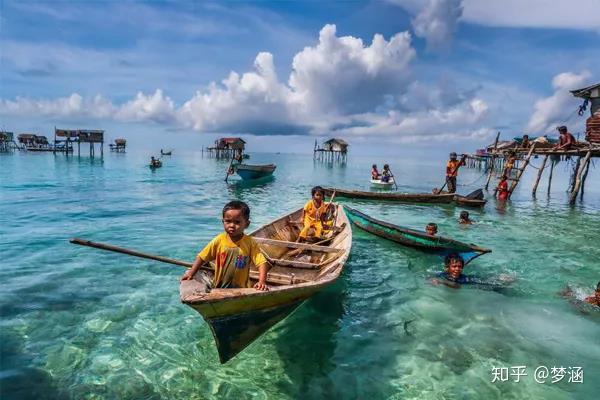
(503, 188)
(314, 209)
(464, 218)
(233, 252)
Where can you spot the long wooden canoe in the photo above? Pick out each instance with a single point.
(247, 171)
(412, 238)
(239, 316)
(398, 197)
(425, 198)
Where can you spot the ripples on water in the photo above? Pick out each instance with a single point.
(80, 323)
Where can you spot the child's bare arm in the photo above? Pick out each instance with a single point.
(262, 277)
(189, 274)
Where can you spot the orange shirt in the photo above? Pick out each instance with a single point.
(312, 212)
(452, 168)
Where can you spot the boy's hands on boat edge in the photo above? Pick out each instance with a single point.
(261, 286)
(187, 275)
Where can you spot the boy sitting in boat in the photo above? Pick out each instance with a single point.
(374, 172)
(233, 252)
(464, 218)
(431, 229)
(314, 214)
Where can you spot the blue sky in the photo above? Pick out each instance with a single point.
(392, 74)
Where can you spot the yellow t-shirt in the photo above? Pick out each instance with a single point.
(232, 260)
(313, 212)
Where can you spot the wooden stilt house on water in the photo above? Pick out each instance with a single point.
(32, 142)
(227, 147)
(118, 146)
(7, 142)
(334, 149)
(64, 139)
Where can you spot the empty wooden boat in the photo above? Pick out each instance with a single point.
(247, 171)
(398, 197)
(239, 316)
(413, 238)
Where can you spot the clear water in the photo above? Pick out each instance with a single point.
(81, 323)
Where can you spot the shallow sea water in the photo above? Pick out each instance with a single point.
(85, 324)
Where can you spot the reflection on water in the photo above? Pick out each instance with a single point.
(81, 323)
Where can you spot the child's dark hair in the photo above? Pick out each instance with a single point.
(238, 205)
(386, 166)
(464, 215)
(374, 166)
(317, 189)
(453, 256)
(598, 286)
(431, 225)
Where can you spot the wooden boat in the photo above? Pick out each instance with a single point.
(239, 316)
(467, 202)
(378, 183)
(412, 238)
(166, 153)
(247, 171)
(398, 197)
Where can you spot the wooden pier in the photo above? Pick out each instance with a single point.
(227, 148)
(64, 140)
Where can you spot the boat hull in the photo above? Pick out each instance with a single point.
(237, 317)
(382, 185)
(247, 172)
(397, 197)
(412, 238)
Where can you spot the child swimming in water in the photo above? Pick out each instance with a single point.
(595, 298)
(431, 229)
(464, 218)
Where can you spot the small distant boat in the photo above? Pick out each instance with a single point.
(166, 153)
(247, 171)
(237, 317)
(398, 197)
(412, 238)
(378, 183)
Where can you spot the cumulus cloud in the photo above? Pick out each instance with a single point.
(341, 75)
(437, 21)
(340, 85)
(552, 111)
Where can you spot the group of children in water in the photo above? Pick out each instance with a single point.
(233, 252)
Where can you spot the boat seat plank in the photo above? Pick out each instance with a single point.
(296, 245)
(294, 264)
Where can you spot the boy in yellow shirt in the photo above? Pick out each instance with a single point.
(233, 252)
(314, 210)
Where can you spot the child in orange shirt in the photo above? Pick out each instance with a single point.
(313, 212)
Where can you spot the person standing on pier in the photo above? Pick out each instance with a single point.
(452, 171)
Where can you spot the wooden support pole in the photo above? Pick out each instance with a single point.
(520, 172)
(577, 183)
(540, 172)
(552, 164)
(492, 163)
(584, 178)
(573, 177)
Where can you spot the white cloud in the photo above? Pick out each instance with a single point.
(562, 14)
(340, 85)
(554, 110)
(567, 14)
(437, 21)
(342, 75)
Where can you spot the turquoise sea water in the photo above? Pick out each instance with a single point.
(85, 324)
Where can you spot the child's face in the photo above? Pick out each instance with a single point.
(234, 222)
(318, 197)
(431, 230)
(455, 268)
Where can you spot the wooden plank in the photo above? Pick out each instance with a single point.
(293, 264)
(295, 245)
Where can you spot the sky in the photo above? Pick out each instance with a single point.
(383, 75)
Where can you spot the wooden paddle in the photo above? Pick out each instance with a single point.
(462, 159)
(229, 169)
(393, 177)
